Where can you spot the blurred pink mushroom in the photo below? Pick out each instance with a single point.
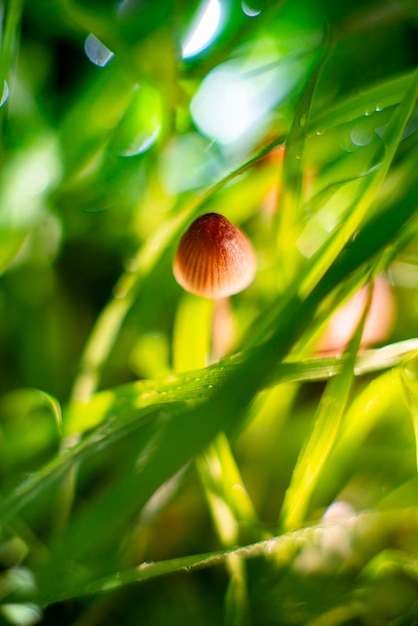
(344, 321)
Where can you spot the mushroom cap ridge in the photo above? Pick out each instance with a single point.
(214, 258)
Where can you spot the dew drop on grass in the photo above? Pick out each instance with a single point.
(96, 51)
(361, 135)
(252, 8)
(5, 94)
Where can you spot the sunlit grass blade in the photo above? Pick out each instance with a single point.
(373, 99)
(13, 17)
(200, 384)
(371, 404)
(226, 493)
(192, 333)
(363, 192)
(11, 242)
(384, 231)
(278, 549)
(227, 497)
(321, 441)
(237, 603)
(363, 195)
(288, 213)
(409, 379)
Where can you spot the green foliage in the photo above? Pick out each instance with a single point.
(150, 435)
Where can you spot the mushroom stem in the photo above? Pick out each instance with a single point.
(223, 329)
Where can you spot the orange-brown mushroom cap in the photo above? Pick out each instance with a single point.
(214, 258)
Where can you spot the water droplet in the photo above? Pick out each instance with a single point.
(271, 546)
(252, 9)
(148, 395)
(361, 135)
(379, 108)
(319, 132)
(298, 156)
(5, 94)
(131, 265)
(368, 113)
(302, 121)
(96, 51)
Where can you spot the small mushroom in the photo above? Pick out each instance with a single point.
(344, 321)
(214, 258)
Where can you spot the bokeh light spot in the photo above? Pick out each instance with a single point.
(204, 30)
(96, 51)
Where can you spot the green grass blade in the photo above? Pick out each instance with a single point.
(13, 17)
(281, 549)
(372, 100)
(409, 377)
(288, 214)
(381, 232)
(225, 491)
(363, 191)
(381, 395)
(198, 385)
(320, 443)
(35, 485)
(192, 333)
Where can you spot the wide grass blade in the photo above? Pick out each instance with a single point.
(372, 100)
(278, 549)
(201, 384)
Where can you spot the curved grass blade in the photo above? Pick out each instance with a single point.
(198, 385)
(365, 193)
(373, 100)
(281, 549)
(36, 484)
(389, 229)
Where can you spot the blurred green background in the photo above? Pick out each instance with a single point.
(118, 121)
